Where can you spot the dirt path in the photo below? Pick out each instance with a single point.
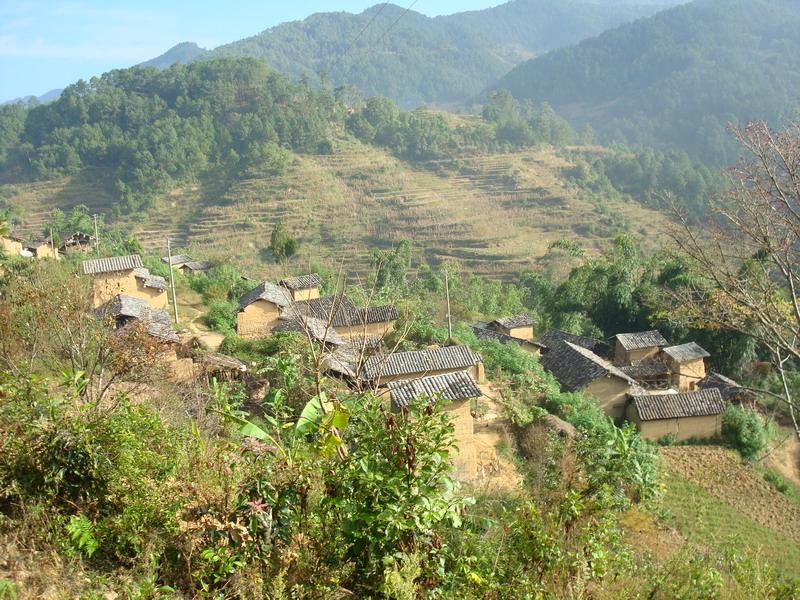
(722, 473)
(493, 443)
(191, 319)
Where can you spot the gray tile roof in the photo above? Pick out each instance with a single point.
(685, 352)
(177, 259)
(198, 265)
(340, 311)
(220, 361)
(575, 367)
(266, 291)
(514, 321)
(646, 369)
(555, 337)
(641, 339)
(302, 282)
(126, 308)
(700, 403)
(451, 386)
(150, 280)
(112, 264)
(482, 332)
(418, 362)
(730, 389)
(317, 329)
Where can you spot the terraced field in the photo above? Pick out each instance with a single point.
(495, 213)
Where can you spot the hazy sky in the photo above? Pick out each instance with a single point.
(46, 45)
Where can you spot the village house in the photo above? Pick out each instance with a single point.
(731, 390)
(556, 337)
(383, 368)
(219, 366)
(684, 415)
(348, 319)
(123, 311)
(492, 331)
(634, 347)
(686, 364)
(124, 275)
(10, 245)
(39, 249)
(579, 369)
(303, 287)
(77, 242)
(650, 373)
(260, 309)
(314, 329)
(516, 326)
(186, 263)
(457, 391)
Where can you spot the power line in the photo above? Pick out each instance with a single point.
(397, 20)
(358, 35)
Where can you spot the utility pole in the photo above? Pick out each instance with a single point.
(52, 244)
(172, 281)
(96, 236)
(447, 294)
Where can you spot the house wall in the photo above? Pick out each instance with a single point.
(624, 357)
(107, 285)
(305, 294)
(46, 251)
(10, 247)
(523, 333)
(465, 461)
(155, 297)
(378, 329)
(257, 319)
(611, 393)
(476, 371)
(685, 376)
(682, 428)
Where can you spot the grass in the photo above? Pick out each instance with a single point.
(783, 485)
(707, 521)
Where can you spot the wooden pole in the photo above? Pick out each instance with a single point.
(96, 236)
(172, 281)
(447, 293)
(52, 244)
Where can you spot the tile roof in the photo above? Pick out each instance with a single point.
(37, 244)
(156, 320)
(416, 362)
(482, 332)
(302, 282)
(342, 361)
(729, 388)
(646, 369)
(266, 291)
(700, 403)
(451, 386)
(317, 329)
(340, 311)
(222, 361)
(112, 264)
(685, 352)
(555, 337)
(641, 339)
(575, 367)
(514, 321)
(177, 259)
(150, 280)
(198, 265)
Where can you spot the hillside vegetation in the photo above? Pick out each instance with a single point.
(678, 78)
(404, 55)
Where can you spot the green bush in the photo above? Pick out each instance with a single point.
(743, 430)
(221, 315)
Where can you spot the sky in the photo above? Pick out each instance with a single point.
(49, 44)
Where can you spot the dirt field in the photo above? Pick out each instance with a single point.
(722, 473)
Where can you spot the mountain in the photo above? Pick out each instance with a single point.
(43, 99)
(182, 53)
(391, 51)
(677, 78)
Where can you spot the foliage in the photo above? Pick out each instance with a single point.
(743, 430)
(282, 244)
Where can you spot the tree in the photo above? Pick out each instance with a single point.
(747, 256)
(282, 244)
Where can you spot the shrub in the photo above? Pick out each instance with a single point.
(743, 430)
(221, 315)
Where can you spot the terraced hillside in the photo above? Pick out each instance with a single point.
(495, 213)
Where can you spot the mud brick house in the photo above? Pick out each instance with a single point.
(579, 369)
(303, 287)
(10, 245)
(488, 331)
(124, 275)
(456, 390)
(186, 263)
(260, 309)
(731, 391)
(77, 242)
(383, 368)
(687, 365)
(40, 249)
(516, 326)
(315, 329)
(124, 311)
(683, 415)
(650, 373)
(634, 347)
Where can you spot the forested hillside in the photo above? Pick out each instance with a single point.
(676, 79)
(404, 55)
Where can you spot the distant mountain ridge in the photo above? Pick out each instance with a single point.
(182, 53)
(677, 78)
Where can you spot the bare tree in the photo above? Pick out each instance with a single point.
(745, 255)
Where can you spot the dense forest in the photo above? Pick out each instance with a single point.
(678, 78)
(412, 59)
